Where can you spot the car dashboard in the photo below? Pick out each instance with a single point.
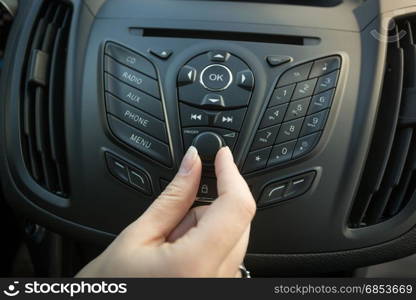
(315, 99)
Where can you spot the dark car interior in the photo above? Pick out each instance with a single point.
(100, 99)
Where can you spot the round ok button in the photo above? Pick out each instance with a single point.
(216, 77)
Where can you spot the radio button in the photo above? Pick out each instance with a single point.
(131, 77)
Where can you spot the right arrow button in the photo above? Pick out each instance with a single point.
(245, 79)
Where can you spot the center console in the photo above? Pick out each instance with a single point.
(214, 91)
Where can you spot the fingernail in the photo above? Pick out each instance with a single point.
(229, 153)
(188, 160)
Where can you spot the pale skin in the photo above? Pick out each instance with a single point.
(171, 239)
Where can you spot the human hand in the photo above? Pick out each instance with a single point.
(169, 240)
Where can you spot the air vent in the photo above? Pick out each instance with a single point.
(43, 134)
(388, 182)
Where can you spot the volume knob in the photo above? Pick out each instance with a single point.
(208, 143)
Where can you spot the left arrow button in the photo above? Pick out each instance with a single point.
(187, 75)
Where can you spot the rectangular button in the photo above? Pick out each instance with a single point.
(273, 116)
(265, 137)
(131, 77)
(134, 97)
(282, 95)
(289, 131)
(231, 119)
(321, 101)
(131, 59)
(117, 168)
(314, 123)
(325, 66)
(327, 82)
(304, 89)
(281, 153)
(139, 180)
(136, 118)
(273, 193)
(191, 116)
(305, 144)
(140, 141)
(257, 160)
(207, 189)
(297, 109)
(296, 74)
(299, 185)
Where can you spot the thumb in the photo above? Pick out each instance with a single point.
(167, 211)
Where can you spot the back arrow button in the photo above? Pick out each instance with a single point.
(187, 75)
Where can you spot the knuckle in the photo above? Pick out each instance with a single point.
(248, 206)
(172, 190)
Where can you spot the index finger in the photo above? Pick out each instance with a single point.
(228, 217)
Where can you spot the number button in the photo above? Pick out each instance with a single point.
(281, 153)
(304, 89)
(265, 137)
(321, 101)
(297, 109)
(314, 123)
(289, 131)
(326, 82)
(273, 116)
(282, 95)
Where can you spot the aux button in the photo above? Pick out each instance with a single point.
(216, 77)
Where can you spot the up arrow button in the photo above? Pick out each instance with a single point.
(245, 79)
(218, 55)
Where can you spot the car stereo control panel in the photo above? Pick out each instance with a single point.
(214, 91)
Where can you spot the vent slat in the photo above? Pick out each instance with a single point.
(388, 182)
(56, 104)
(43, 141)
(384, 134)
(392, 178)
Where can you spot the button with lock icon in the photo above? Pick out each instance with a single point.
(207, 189)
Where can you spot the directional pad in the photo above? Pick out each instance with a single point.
(215, 79)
